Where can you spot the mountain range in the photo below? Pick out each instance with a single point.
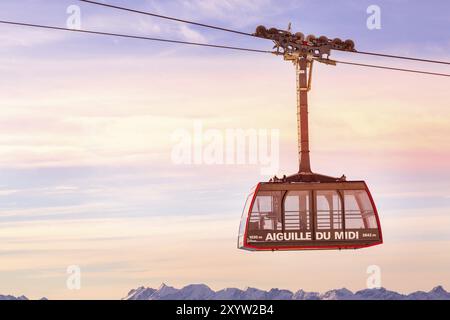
(9, 297)
(203, 292)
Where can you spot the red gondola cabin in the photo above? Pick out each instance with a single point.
(301, 216)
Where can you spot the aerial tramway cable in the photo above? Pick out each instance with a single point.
(402, 57)
(167, 17)
(392, 68)
(200, 44)
(247, 33)
(132, 36)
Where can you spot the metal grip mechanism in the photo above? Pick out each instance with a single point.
(296, 44)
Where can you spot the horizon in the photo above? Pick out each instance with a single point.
(164, 285)
(300, 289)
(87, 132)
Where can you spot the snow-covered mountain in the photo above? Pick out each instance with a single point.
(303, 295)
(9, 297)
(437, 293)
(140, 293)
(203, 292)
(338, 294)
(378, 294)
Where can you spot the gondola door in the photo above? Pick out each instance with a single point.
(297, 211)
(328, 215)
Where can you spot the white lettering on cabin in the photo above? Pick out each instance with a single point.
(288, 236)
(305, 236)
(347, 235)
(323, 235)
(351, 235)
(339, 235)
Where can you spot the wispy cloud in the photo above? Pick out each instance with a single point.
(24, 37)
(192, 35)
(139, 25)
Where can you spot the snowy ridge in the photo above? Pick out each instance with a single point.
(19, 298)
(9, 297)
(203, 292)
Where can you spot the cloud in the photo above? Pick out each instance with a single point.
(225, 9)
(24, 37)
(17, 37)
(125, 250)
(192, 35)
(7, 192)
(60, 211)
(141, 25)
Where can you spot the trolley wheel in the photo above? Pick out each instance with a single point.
(349, 44)
(261, 31)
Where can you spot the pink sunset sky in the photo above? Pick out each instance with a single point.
(85, 148)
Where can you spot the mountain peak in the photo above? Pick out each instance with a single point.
(140, 293)
(163, 286)
(10, 297)
(164, 292)
(338, 294)
(438, 289)
(197, 286)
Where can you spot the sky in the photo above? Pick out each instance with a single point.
(88, 178)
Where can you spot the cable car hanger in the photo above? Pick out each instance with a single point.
(306, 210)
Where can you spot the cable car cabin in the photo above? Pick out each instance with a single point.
(305, 216)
